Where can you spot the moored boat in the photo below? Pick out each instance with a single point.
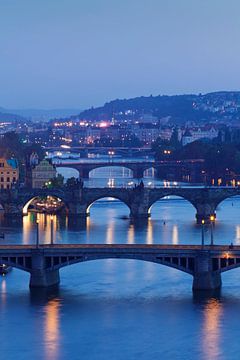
(4, 269)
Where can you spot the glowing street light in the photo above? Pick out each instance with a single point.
(203, 223)
(37, 238)
(212, 219)
(51, 230)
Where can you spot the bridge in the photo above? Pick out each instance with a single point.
(177, 170)
(104, 150)
(84, 168)
(139, 200)
(205, 264)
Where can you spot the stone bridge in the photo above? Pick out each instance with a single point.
(164, 169)
(139, 200)
(84, 168)
(205, 264)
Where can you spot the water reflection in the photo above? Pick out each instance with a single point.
(175, 239)
(237, 237)
(3, 291)
(110, 236)
(211, 332)
(51, 329)
(149, 239)
(130, 238)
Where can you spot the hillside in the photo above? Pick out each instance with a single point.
(10, 117)
(180, 108)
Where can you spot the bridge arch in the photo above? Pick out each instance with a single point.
(150, 172)
(102, 197)
(30, 199)
(68, 172)
(228, 209)
(219, 201)
(181, 265)
(167, 196)
(113, 170)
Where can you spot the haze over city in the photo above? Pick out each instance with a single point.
(78, 54)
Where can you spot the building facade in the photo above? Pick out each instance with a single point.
(42, 173)
(9, 173)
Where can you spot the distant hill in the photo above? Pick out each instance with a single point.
(179, 108)
(10, 117)
(41, 114)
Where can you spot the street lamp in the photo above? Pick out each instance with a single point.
(203, 223)
(212, 218)
(37, 238)
(51, 230)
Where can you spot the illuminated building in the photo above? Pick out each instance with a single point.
(9, 173)
(42, 173)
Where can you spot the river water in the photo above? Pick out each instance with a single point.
(122, 309)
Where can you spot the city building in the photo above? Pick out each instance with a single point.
(9, 173)
(42, 173)
(194, 134)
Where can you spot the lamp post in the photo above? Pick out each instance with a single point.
(212, 218)
(37, 238)
(51, 229)
(203, 223)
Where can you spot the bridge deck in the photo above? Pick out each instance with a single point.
(121, 246)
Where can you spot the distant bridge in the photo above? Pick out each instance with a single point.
(177, 170)
(84, 168)
(205, 264)
(118, 150)
(139, 200)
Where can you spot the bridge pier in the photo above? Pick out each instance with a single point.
(204, 278)
(77, 210)
(39, 275)
(139, 207)
(137, 173)
(44, 278)
(205, 212)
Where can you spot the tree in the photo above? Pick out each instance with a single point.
(72, 182)
(56, 182)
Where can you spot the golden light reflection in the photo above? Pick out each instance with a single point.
(110, 233)
(51, 329)
(44, 224)
(211, 329)
(149, 233)
(175, 239)
(88, 228)
(130, 238)
(28, 229)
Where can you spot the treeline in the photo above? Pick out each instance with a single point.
(220, 158)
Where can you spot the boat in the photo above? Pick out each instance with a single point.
(4, 269)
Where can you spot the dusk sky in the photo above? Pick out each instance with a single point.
(79, 53)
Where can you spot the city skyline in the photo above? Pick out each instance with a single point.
(77, 54)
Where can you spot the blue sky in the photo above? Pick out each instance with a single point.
(75, 53)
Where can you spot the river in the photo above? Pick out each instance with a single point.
(122, 309)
